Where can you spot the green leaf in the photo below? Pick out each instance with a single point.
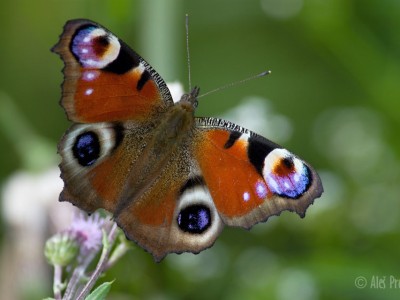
(100, 292)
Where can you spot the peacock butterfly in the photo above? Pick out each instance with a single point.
(170, 179)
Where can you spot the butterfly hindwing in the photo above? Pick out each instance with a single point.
(95, 164)
(104, 79)
(176, 214)
(249, 177)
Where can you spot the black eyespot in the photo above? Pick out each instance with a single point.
(86, 148)
(194, 219)
(288, 162)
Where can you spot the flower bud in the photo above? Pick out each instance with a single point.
(61, 249)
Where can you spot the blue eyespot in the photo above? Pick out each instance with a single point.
(292, 185)
(194, 219)
(86, 148)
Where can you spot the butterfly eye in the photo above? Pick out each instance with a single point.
(86, 148)
(194, 219)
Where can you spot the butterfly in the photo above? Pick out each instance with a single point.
(170, 179)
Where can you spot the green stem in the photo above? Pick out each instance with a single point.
(34, 151)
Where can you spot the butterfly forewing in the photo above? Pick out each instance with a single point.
(104, 79)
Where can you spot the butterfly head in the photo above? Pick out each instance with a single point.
(191, 98)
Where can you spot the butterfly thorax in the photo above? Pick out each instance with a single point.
(176, 123)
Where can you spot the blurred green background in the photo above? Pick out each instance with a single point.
(335, 80)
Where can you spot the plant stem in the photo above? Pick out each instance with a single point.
(57, 285)
(107, 246)
(77, 276)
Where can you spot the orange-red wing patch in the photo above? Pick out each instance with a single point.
(155, 208)
(108, 178)
(112, 97)
(234, 183)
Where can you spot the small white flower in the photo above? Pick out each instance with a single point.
(257, 114)
(176, 89)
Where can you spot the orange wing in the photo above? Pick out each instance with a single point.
(249, 177)
(104, 79)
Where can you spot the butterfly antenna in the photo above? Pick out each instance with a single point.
(262, 74)
(187, 51)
